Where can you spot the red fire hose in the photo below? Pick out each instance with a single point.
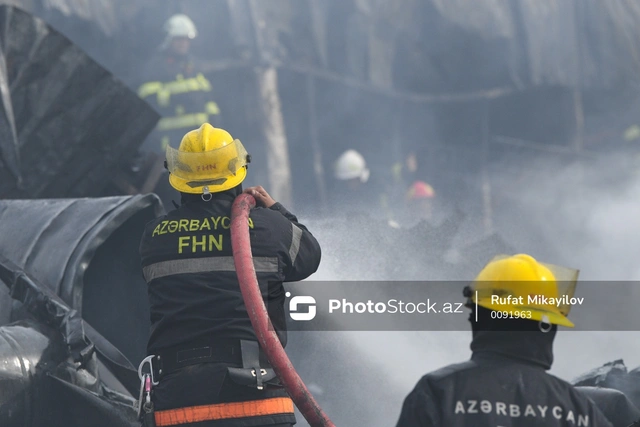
(257, 310)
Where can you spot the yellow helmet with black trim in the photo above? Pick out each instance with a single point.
(208, 160)
(519, 283)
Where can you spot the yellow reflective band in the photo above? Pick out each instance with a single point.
(180, 85)
(149, 88)
(185, 121)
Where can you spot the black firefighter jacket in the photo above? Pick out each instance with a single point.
(192, 284)
(503, 385)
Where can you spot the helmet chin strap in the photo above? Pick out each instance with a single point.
(206, 194)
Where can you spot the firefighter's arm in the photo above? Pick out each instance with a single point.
(418, 410)
(302, 251)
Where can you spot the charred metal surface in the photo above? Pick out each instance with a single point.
(21, 356)
(614, 375)
(614, 405)
(82, 341)
(42, 386)
(70, 274)
(67, 122)
(52, 362)
(56, 240)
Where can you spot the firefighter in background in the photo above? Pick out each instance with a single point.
(419, 203)
(505, 382)
(351, 167)
(356, 206)
(204, 350)
(420, 198)
(177, 88)
(354, 194)
(417, 207)
(352, 174)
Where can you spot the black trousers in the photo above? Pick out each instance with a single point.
(207, 384)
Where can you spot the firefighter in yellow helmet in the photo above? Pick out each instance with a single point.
(175, 84)
(202, 346)
(516, 307)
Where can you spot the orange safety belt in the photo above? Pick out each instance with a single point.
(220, 411)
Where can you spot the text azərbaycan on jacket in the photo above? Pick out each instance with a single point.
(504, 384)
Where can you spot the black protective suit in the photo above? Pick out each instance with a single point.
(503, 385)
(196, 303)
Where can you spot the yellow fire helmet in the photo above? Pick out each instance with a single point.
(519, 283)
(208, 160)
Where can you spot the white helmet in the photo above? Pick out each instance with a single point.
(351, 165)
(180, 25)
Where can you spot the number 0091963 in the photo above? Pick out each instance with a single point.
(518, 314)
